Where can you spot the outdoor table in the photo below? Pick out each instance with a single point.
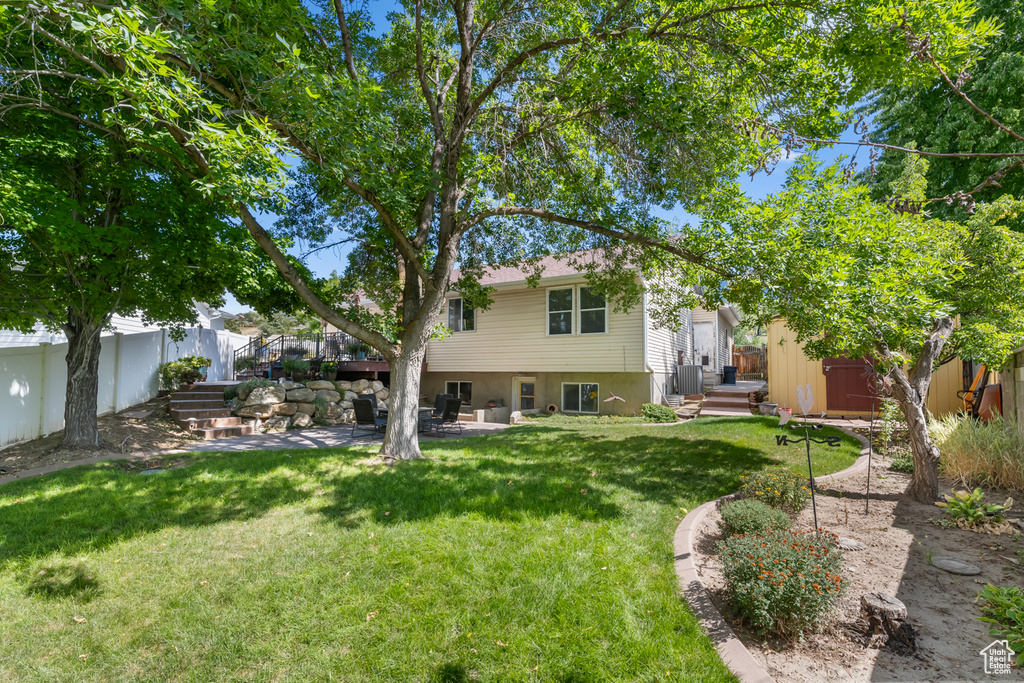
(422, 421)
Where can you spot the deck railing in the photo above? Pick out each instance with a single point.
(258, 356)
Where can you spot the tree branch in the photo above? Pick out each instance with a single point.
(346, 41)
(625, 236)
(428, 97)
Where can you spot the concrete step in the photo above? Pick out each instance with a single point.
(727, 393)
(726, 402)
(200, 413)
(196, 404)
(223, 432)
(205, 395)
(724, 412)
(209, 422)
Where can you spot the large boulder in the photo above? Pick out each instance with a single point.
(277, 424)
(329, 395)
(334, 411)
(318, 384)
(360, 385)
(301, 395)
(301, 420)
(243, 391)
(350, 396)
(234, 405)
(345, 405)
(343, 386)
(383, 394)
(260, 410)
(264, 395)
(348, 416)
(305, 408)
(376, 385)
(288, 386)
(285, 408)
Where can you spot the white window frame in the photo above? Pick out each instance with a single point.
(580, 309)
(572, 312)
(457, 382)
(579, 385)
(577, 312)
(462, 318)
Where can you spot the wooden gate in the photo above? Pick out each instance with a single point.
(848, 385)
(751, 362)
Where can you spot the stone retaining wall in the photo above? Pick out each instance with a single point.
(291, 405)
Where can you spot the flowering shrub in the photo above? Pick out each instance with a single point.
(658, 413)
(783, 489)
(751, 517)
(783, 581)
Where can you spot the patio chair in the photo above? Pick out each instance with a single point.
(372, 398)
(366, 418)
(439, 402)
(449, 419)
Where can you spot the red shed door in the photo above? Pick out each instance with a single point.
(848, 385)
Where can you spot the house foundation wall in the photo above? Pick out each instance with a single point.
(634, 387)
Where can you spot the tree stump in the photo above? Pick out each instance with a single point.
(887, 615)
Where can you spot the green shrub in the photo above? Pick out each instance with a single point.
(751, 517)
(244, 363)
(658, 413)
(783, 489)
(185, 370)
(319, 410)
(782, 581)
(970, 509)
(976, 453)
(231, 392)
(291, 366)
(1004, 607)
(902, 462)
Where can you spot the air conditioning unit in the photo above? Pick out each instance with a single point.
(690, 379)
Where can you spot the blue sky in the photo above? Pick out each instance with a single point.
(758, 187)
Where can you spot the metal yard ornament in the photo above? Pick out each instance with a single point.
(805, 399)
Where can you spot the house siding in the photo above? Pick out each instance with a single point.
(511, 337)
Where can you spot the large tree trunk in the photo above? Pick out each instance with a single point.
(83, 360)
(924, 486)
(401, 440)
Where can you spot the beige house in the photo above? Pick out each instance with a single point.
(561, 346)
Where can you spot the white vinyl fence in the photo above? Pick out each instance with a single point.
(33, 378)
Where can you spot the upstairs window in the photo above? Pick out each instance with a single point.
(593, 312)
(460, 318)
(560, 311)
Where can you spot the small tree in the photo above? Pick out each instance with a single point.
(853, 279)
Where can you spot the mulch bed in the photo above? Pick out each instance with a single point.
(900, 542)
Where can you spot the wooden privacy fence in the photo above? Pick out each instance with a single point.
(751, 362)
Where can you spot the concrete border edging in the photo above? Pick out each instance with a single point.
(730, 648)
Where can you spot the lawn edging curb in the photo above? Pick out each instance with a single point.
(730, 648)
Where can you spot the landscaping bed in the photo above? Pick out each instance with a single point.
(142, 428)
(900, 545)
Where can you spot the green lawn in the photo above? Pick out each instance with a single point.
(543, 553)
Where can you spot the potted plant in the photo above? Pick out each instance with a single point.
(296, 369)
(356, 351)
(330, 370)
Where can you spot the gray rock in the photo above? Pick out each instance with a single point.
(318, 384)
(235, 404)
(260, 410)
(301, 395)
(383, 394)
(273, 394)
(329, 395)
(334, 411)
(360, 385)
(305, 408)
(345, 405)
(343, 386)
(288, 386)
(955, 566)
(351, 396)
(301, 420)
(277, 424)
(376, 385)
(850, 544)
(285, 408)
(243, 391)
(348, 416)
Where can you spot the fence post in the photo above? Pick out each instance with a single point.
(44, 348)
